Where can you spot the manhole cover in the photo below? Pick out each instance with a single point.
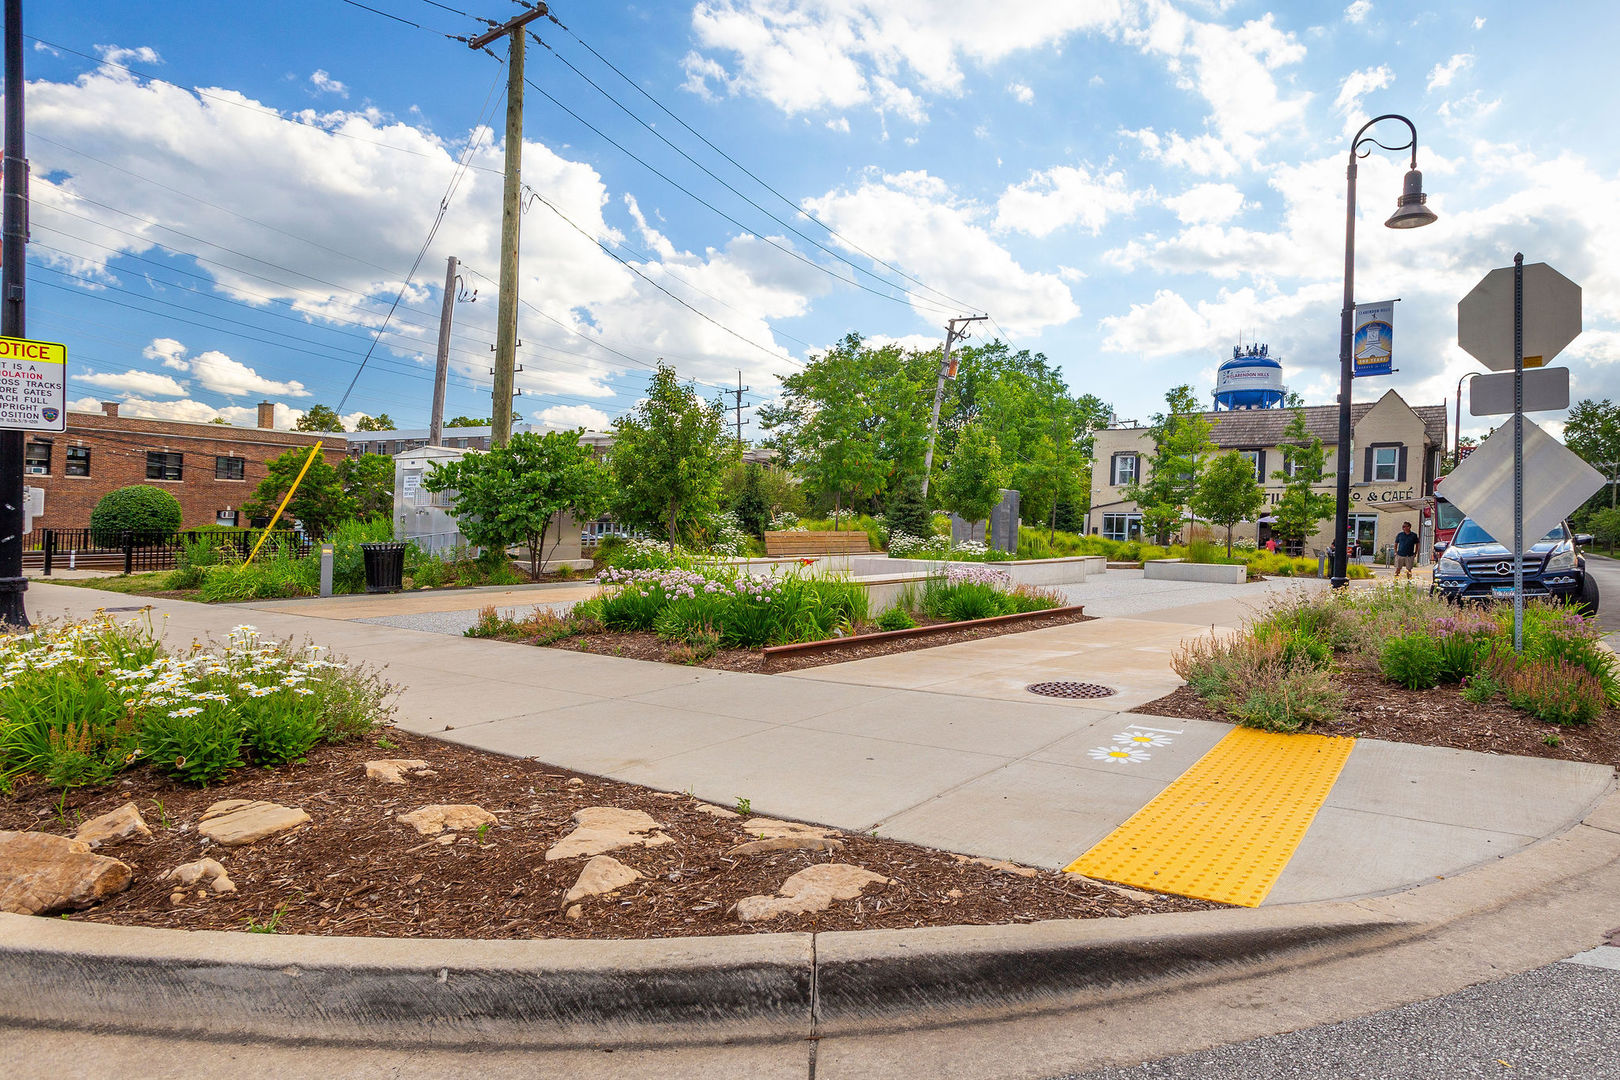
(1071, 689)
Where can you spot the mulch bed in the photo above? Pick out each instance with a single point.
(355, 870)
(1376, 709)
(646, 645)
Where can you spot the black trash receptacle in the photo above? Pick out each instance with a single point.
(385, 567)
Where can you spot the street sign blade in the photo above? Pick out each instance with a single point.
(1552, 316)
(1545, 389)
(1556, 482)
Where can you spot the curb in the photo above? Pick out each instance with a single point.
(771, 652)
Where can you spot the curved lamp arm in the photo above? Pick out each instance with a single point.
(1357, 144)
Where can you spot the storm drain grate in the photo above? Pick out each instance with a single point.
(1071, 689)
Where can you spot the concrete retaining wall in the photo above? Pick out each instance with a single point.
(1175, 570)
(1068, 571)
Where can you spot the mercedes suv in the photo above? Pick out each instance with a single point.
(1475, 567)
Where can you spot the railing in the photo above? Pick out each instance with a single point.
(139, 552)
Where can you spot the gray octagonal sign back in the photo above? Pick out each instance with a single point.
(1552, 316)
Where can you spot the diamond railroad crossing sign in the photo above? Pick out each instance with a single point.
(1552, 317)
(33, 385)
(1555, 483)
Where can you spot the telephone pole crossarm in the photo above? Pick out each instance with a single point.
(539, 11)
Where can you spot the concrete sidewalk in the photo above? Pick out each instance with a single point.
(946, 752)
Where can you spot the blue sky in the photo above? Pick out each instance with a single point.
(1127, 187)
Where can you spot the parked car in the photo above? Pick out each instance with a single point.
(1474, 566)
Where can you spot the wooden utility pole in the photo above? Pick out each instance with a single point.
(13, 264)
(511, 213)
(947, 370)
(441, 370)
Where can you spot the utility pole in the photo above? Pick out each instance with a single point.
(511, 213)
(738, 393)
(13, 265)
(441, 370)
(947, 370)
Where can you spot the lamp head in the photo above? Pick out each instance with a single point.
(1410, 210)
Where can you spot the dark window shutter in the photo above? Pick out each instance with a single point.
(1400, 465)
(1136, 467)
(1262, 467)
(1113, 469)
(1367, 470)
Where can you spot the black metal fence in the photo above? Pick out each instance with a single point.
(137, 552)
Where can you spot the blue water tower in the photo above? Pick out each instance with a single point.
(1252, 379)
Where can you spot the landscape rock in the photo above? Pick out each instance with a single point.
(601, 875)
(812, 889)
(574, 912)
(786, 843)
(394, 770)
(715, 811)
(113, 828)
(762, 828)
(1000, 865)
(41, 874)
(235, 822)
(437, 818)
(204, 871)
(601, 829)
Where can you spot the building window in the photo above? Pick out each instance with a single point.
(37, 459)
(1124, 469)
(230, 468)
(228, 518)
(1253, 458)
(78, 461)
(163, 466)
(1386, 461)
(1122, 526)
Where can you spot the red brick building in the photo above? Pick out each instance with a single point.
(211, 468)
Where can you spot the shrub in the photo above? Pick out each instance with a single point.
(1411, 660)
(700, 645)
(896, 618)
(140, 508)
(1479, 689)
(276, 735)
(907, 511)
(194, 559)
(274, 574)
(1248, 677)
(1294, 699)
(195, 744)
(1463, 644)
(1556, 691)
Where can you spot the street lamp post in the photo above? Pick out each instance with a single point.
(1410, 213)
(1456, 435)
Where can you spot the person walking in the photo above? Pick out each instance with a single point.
(1406, 545)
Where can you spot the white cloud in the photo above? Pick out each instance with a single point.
(134, 383)
(1479, 22)
(1061, 196)
(913, 219)
(1441, 75)
(141, 54)
(911, 342)
(325, 84)
(1095, 80)
(840, 125)
(1207, 203)
(1356, 86)
(1021, 93)
(573, 416)
(1204, 155)
(1357, 11)
(217, 372)
(1471, 107)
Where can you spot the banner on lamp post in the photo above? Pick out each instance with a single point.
(1371, 346)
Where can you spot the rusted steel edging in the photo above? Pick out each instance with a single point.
(772, 651)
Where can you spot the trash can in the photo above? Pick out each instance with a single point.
(385, 567)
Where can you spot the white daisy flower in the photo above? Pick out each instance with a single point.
(1119, 755)
(189, 710)
(1143, 738)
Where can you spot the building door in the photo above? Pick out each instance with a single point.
(1364, 527)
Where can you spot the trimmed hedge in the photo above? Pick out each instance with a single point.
(140, 508)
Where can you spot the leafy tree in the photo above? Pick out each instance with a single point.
(1069, 516)
(780, 490)
(513, 494)
(1604, 525)
(971, 487)
(1301, 508)
(220, 420)
(751, 508)
(319, 503)
(1181, 439)
(1593, 432)
(320, 418)
(473, 421)
(140, 508)
(380, 422)
(669, 454)
(908, 511)
(1228, 493)
(368, 481)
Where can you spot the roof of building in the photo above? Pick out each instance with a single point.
(1264, 427)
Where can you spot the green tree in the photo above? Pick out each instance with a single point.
(368, 481)
(908, 511)
(1301, 507)
(319, 503)
(1604, 526)
(1593, 431)
(144, 509)
(751, 507)
(669, 454)
(513, 494)
(220, 420)
(380, 422)
(779, 488)
(1228, 493)
(971, 486)
(1181, 439)
(320, 418)
(472, 421)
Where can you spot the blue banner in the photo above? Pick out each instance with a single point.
(1371, 345)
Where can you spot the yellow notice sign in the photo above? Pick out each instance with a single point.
(33, 385)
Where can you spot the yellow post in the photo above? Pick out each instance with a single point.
(314, 450)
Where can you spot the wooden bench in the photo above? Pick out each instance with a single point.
(817, 543)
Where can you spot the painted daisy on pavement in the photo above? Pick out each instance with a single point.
(1143, 738)
(1119, 755)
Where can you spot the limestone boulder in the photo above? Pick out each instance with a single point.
(395, 770)
(786, 843)
(812, 889)
(601, 875)
(41, 874)
(447, 817)
(600, 829)
(761, 828)
(234, 822)
(207, 872)
(124, 823)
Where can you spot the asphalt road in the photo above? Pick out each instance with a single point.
(1560, 1022)
(1607, 573)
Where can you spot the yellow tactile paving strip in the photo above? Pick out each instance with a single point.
(1225, 829)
